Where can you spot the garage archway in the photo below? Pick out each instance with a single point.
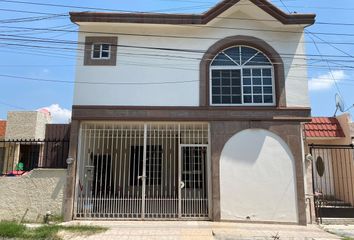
(257, 178)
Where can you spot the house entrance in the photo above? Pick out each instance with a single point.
(143, 171)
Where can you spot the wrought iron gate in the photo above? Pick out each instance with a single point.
(143, 171)
(333, 180)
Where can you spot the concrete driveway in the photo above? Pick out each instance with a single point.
(200, 230)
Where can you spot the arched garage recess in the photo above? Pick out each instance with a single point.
(257, 178)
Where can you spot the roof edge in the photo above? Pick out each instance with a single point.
(164, 18)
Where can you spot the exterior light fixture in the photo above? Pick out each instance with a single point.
(69, 160)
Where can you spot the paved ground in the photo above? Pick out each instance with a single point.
(341, 230)
(202, 230)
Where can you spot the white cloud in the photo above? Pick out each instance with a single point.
(59, 114)
(325, 81)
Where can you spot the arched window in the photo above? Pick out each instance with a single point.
(241, 75)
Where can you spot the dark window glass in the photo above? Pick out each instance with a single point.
(257, 81)
(247, 99)
(226, 90)
(216, 90)
(256, 72)
(236, 99)
(268, 98)
(259, 59)
(267, 81)
(257, 98)
(246, 81)
(222, 60)
(247, 89)
(216, 99)
(257, 90)
(247, 53)
(226, 99)
(246, 72)
(266, 72)
(267, 90)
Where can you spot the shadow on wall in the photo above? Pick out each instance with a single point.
(247, 153)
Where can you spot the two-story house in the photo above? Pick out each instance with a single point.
(190, 116)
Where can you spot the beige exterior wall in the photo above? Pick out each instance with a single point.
(26, 125)
(32, 195)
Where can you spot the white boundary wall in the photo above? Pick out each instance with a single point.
(32, 195)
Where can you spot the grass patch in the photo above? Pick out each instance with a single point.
(20, 231)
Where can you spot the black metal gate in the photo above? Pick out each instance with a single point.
(333, 180)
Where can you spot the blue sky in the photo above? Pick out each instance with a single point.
(21, 94)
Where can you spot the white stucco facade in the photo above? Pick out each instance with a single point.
(257, 178)
(146, 66)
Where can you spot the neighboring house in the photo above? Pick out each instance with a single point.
(2, 145)
(329, 141)
(190, 116)
(24, 132)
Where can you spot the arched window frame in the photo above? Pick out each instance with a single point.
(241, 67)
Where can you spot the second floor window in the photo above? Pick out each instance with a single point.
(101, 51)
(241, 75)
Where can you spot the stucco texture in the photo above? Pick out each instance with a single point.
(32, 195)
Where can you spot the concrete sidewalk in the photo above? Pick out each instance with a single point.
(200, 230)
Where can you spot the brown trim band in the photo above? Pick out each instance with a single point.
(159, 18)
(142, 113)
(275, 58)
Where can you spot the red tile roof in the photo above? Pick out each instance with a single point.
(2, 128)
(323, 127)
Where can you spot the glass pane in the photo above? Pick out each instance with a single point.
(257, 98)
(96, 54)
(233, 53)
(267, 81)
(247, 90)
(267, 73)
(246, 81)
(226, 74)
(215, 73)
(247, 53)
(226, 90)
(246, 72)
(256, 72)
(235, 73)
(236, 90)
(226, 82)
(259, 59)
(226, 99)
(97, 47)
(268, 99)
(257, 81)
(216, 82)
(268, 90)
(105, 54)
(216, 99)
(236, 82)
(236, 99)
(257, 90)
(222, 60)
(216, 90)
(247, 99)
(105, 47)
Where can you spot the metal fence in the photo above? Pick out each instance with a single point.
(333, 180)
(17, 156)
(142, 171)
